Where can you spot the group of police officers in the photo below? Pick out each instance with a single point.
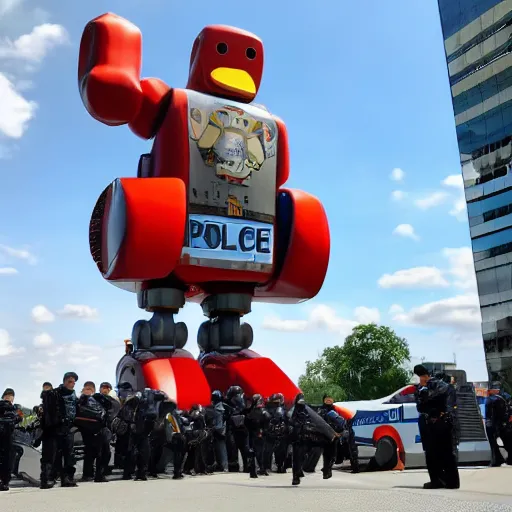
(147, 430)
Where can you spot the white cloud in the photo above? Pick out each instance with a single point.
(8, 6)
(461, 267)
(366, 315)
(397, 174)
(406, 230)
(395, 309)
(42, 315)
(6, 346)
(461, 312)
(459, 273)
(76, 353)
(459, 209)
(431, 200)
(19, 254)
(15, 110)
(455, 181)
(323, 317)
(80, 311)
(417, 277)
(398, 195)
(35, 46)
(7, 271)
(43, 340)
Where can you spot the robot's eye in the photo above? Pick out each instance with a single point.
(222, 48)
(250, 53)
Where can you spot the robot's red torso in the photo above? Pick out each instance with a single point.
(226, 153)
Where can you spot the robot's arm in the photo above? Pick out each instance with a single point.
(109, 76)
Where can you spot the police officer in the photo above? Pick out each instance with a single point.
(59, 412)
(215, 416)
(255, 419)
(197, 443)
(496, 419)
(144, 419)
(435, 403)
(345, 446)
(174, 428)
(91, 420)
(9, 417)
(307, 429)
(237, 436)
(275, 433)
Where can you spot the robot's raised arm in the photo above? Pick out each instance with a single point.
(109, 82)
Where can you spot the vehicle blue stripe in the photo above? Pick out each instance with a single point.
(456, 14)
(492, 126)
(483, 91)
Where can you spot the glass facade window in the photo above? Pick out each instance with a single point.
(478, 46)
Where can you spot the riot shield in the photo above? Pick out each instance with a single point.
(29, 468)
(321, 426)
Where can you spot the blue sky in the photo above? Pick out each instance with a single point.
(363, 89)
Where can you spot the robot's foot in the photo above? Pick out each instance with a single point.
(254, 373)
(180, 376)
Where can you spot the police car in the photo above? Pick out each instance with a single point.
(389, 426)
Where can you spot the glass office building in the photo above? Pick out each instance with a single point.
(478, 45)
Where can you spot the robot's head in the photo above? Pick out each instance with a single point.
(226, 62)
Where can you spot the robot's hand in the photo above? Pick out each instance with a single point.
(109, 69)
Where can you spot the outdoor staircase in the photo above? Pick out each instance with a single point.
(470, 419)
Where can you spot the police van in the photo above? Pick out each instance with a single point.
(388, 427)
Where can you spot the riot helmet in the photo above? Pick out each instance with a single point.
(234, 391)
(216, 397)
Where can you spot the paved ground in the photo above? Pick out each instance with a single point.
(482, 490)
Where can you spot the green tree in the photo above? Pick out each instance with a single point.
(370, 364)
(315, 384)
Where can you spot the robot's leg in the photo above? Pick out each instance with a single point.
(158, 347)
(226, 359)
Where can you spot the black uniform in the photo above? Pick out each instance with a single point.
(255, 420)
(436, 404)
(496, 419)
(91, 420)
(175, 438)
(216, 423)
(59, 412)
(9, 418)
(197, 443)
(237, 436)
(307, 429)
(345, 447)
(275, 433)
(120, 427)
(145, 414)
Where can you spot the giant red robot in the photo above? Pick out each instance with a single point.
(207, 218)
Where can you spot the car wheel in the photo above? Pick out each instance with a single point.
(386, 455)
